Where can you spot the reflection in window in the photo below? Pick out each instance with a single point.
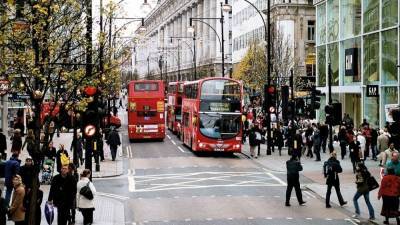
(333, 20)
(389, 13)
(389, 56)
(351, 51)
(214, 125)
(333, 58)
(351, 18)
(371, 110)
(371, 61)
(321, 20)
(321, 51)
(371, 15)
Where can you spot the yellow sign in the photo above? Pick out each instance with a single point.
(160, 106)
(132, 106)
(219, 107)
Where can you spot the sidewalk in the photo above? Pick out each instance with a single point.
(313, 173)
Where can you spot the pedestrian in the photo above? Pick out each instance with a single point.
(278, 136)
(324, 131)
(16, 144)
(394, 163)
(39, 199)
(387, 156)
(27, 173)
(3, 145)
(11, 168)
(77, 144)
(85, 205)
(374, 144)
(30, 143)
(309, 142)
(362, 175)
(367, 133)
(121, 105)
(316, 140)
(383, 144)
(332, 169)
(293, 167)
(61, 157)
(3, 210)
(61, 194)
(354, 148)
(342, 136)
(17, 209)
(252, 141)
(362, 140)
(389, 191)
(73, 172)
(51, 152)
(297, 145)
(114, 141)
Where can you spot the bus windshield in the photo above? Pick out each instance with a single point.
(220, 90)
(219, 126)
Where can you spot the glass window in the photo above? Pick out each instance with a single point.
(389, 13)
(351, 18)
(321, 51)
(321, 20)
(351, 61)
(218, 126)
(311, 30)
(333, 20)
(371, 15)
(389, 56)
(371, 60)
(389, 97)
(371, 110)
(333, 58)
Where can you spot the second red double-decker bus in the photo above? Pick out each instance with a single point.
(174, 106)
(146, 118)
(211, 115)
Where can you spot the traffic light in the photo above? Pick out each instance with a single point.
(333, 114)
(270, 98)
(285, 102)
(300, 106)
(315, 99)
(291, 110)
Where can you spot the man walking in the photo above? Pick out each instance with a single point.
(11, 169)
(62, 193)
(383, 144)
(293, 167)
(113, 140)
(316, 140)
(332, 169)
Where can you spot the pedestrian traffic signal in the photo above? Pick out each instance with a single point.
(270, 98)
(333, 114)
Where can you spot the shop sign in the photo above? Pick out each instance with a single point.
(4, 87)
(372, 90)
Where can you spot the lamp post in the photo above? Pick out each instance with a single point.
(193, 52)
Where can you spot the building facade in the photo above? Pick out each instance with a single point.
(292, 20)
(358, 40)
(166, 50)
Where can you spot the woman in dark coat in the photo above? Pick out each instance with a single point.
(354, 147)
(278, 136)
(16, 145)
(253, 140)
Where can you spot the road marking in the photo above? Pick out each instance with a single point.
(328, 219)
(289, 218)
(250, 218)
(180, 149)
(131, 152)
(261, 196)
(131, 180)
(268, 218)
(351, 221)
(168, 137)
(209, 219)
(309, 194)
(188, 219)
(194, 196)
(165, 221)
(173, 142)
(127, 149)
(230, 219)
(308, 218)
(109, 195)
(276, 178)
(276, 196)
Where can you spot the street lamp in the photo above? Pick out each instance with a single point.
(145, 6)
(226, 7)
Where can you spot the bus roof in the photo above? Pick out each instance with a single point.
(158, 93)
(210, 78)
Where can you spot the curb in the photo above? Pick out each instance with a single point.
(109, 176)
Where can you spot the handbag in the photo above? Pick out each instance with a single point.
(372, 183)
(86, 191)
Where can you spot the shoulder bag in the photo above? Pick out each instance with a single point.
(86, 191)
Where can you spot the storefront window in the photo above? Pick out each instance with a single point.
(371, 110)
(371, 60)
(371, 15)
(321, 20)
(333, 20)
(351, 61)
(389, 95)
(389, 57)
(321, 51)
(389, 13)
(322, 115)
(351, 18)
(333, 58)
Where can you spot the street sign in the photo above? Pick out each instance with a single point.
(305, 83)
(372, 91)
(90, 130)
(4, 87)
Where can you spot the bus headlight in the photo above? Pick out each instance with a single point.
(202, 145)
(236, 146)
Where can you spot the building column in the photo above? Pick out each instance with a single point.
(199, 30)
(206, 29)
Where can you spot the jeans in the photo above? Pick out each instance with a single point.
(9, 190)
(374, 150)
(366, 197)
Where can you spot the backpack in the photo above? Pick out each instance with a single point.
(86, 191)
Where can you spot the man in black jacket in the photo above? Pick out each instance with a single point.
(27, 173)
(3, 145)
(332, 169)
(62, 193)
(293, 167)
(113, 140)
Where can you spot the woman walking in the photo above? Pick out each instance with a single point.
(253, 140)
(30, 143)
(362, 175)
(85, 205)
(17, 210)
(390, 192)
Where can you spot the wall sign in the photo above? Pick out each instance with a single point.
(4, 87)
(372, 90)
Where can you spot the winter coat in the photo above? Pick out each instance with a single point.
(16, 144)
(81, 201)
(11, 169)
(30, 145)
(252, 138)
(293, 168)
(113, 139)
(332, 169)
(62, 191)
(316, 138)
(342, 137)
(390, 186)
(3, 211)
(27, 174)
(387, 156)
(354, 151)
(17, 210)
(361, 181)
(58, 158)
(278, 137)
(383, 142)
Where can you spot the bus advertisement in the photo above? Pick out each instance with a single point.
(211, 115)
(146, 118)
(174, 106)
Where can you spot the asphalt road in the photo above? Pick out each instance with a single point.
(167, 184)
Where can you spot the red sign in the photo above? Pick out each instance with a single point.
(90, 130)
(4, 87)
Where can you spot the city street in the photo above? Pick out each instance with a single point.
(165, 183)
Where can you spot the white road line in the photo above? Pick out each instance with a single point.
(131, 181)
(351, 221)
(276, 196)
(168, 137)
(173, 142)
(289, 218)
(209, 219)
(112, 196)
(230, 219)
(276, 178)
(328, 219)
(268, 218)
(308, 218)
(127, 150)
(250, 218)
(188, 219)
(309, 194)
(181, 149)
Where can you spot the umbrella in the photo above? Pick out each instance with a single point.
(49, 212)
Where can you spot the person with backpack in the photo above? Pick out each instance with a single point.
(332, 169)
(85, 204)
(17, 209)
(252, 141)
(362, 175)
(3, 210)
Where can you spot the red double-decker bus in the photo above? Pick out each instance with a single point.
(146, 110)
(174, 106)
(211, 115)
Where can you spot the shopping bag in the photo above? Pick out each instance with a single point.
(49, 213)
(372, 183)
